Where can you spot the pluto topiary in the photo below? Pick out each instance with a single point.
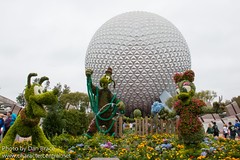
(27, 122)
(189, 127)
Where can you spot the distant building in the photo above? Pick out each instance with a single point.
(9, 105)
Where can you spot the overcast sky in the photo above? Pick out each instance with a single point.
(50, 37)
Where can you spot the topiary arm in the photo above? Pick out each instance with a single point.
(89, 73)
(121, 106)
(118, 102)
(178, 107)
(198, 105)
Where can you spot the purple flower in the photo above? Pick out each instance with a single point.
(108, 145)
(168, 145)
(164, 145)
(204, 153)
(80, 145)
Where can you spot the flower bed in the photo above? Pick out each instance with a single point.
(135, 147)
(158, 146)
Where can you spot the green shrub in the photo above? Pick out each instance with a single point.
(207, 109)
(128, 120)
(76, 122)
(53, 123)
(65, 141)
(165, 114)
(137, 113)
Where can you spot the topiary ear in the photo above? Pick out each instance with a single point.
(43, 79)
(29, 79)
(177, 77)
(189, 75)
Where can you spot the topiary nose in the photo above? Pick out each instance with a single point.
(183, 96)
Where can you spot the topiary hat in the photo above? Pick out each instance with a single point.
(109, 71)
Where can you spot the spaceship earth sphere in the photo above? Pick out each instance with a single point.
(144, 51)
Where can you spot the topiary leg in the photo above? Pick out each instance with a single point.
(39, 138)
(9, 138)
(7, 142)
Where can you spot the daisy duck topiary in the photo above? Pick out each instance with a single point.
(189, 127)
(27, 122)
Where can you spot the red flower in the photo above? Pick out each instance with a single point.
(177, 77)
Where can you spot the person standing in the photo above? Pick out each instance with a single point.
(232, 130)
(7, 123)
(1, 126)
(14, 117)
(225, 131)
(237, 127)
(209, 129)
(215, 130)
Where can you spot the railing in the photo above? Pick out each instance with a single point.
(145, 126)
(119, 127)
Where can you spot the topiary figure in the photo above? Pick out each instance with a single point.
(137, 113)
(189, 127)
(27, 122)
(103, 103)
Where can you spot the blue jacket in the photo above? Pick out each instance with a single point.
(14, 116)
(237, 125)
(2, 124)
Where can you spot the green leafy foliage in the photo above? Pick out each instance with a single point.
(171, 101)
(53, 123)
(218, 107)
(206, 96)
(237, 99)
(73, 121)
(78, 99)
(20, 99)
(128, 119)
(165, 114)
(65, 141)
(76, 121)
(137, 113)
(145, 147)
(207, 109)
(62, 90)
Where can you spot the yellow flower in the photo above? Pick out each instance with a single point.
(149, 156)
(180, 146)
(201, 157)
(123, 150)
(150, 148)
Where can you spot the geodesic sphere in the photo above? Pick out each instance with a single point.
(144, 51)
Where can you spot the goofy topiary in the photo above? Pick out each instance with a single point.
(103, 103)
(189, 127)
(27, 122)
